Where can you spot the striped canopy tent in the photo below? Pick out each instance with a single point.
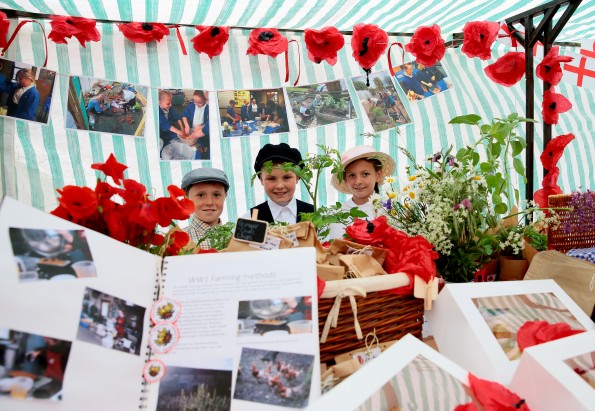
(37, 159)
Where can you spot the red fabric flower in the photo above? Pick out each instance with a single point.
(550, 188)
(549, 69)
(207, 251)
(61, 212)
(82, 29)
(538, 332)
(492, 396)
(554, 104)
(177, 240)
(320, 283)
(368, 232)
(478, 38)
(266, 41)
(210, 40)
(80, 202)
(144, 215)
(427, 45)
(368, 43)
(4, 25)
(554, 150)
(323, 44)
(508, 69)
(143, 32)
(111, 168)
(157, 239)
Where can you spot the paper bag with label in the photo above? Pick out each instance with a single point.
(329, 272)
(361, 265)
(347, 247)
(303, 234)
(272, 242)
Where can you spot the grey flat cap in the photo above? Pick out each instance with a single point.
(205, 175)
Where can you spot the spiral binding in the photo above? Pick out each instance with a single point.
(158, 291)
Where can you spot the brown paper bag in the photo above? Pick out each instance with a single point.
(235, 245)
(361, 265)
(303, 234)
(348, 247)
(329, 272)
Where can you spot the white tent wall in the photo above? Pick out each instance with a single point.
(37, 159)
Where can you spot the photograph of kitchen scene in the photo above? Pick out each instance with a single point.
(318, 104)
(106, 106)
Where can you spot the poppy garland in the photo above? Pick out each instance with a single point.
(81, 28)
(549, 70)
(143, 32)
(4, 25)
(210, 40)
(554, 104)
(427, 45)
(508, 69)
(267, 41)
(478, 37)
(324, 44)
(368, 43)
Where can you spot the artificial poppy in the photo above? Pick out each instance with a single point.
(207, 251)
(368, 43)
(549, 70)
(266, 41)
(321, 284)
(157, 239)
(554, 150)
(4, 25)
(184, 207)
(549, 186)
(61, 212)
(144, 214)
(538, 332)
(554, 104)
(427, 45)
(134, 192)
(490, 395)
(81, 28)
(143, 32)
(368, 232)
(111, 168)
(323, 44)
(80, 202)
(210, 40)
(478, 38)
(508, 69)
(177, 240)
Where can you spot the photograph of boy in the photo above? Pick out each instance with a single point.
(380, 101)
(207, 188)
(420, 82)
(252, 112)
(184, 132)
(25, 91)
(279, 185)
(106, 106)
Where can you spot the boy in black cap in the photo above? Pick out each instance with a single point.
(207, 188)
(279, 185)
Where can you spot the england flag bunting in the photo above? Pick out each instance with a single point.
(581, 71)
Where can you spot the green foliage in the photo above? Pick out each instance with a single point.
(323, 217)
(218, 236)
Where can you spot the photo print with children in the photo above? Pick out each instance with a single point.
(420, 82)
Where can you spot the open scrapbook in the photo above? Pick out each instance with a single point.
(87, 322)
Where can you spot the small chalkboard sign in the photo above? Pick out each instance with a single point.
(251, 231)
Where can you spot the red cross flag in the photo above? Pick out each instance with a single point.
(581, 71)
(505, 36)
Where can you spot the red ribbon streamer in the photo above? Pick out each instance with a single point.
(506, 29)
(287, 63)
(390, 64)
(14, 34)
(182, 45)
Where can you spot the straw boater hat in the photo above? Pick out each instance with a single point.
(368, 153)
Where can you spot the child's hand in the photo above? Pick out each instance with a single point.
(187, 129)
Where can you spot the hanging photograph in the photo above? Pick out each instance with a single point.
(381, 103)
(419, 82)
(318, 104)
(184, 126)
(252, 112)
(584, 367)
(25, 91)
(106, 106)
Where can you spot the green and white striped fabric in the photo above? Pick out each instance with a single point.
(36, 159)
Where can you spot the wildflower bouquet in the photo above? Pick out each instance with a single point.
(125, 211)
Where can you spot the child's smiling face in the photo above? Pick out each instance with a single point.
(208, 199)
(165, 102)
(279, 185)
(361, 177)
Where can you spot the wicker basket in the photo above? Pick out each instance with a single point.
(392, 317)
(560, 240)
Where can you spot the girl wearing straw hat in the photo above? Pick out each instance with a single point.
(365, 169)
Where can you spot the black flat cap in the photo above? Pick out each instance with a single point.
(277, 153)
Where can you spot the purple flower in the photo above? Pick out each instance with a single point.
(466, 203)
(436, 157)
(388, 204)
(450, 160)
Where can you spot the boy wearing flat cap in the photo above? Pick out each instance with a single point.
(207, 188)
(279, 185)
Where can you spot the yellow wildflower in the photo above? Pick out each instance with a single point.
(412, 178)
(391, 195)
(412, 195)
(390, 180)
(477, 178)
(405, 188)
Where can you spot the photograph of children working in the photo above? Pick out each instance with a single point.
(25, 91)
(184, 125)
(252, 112)
(420, 82)
(106, 106)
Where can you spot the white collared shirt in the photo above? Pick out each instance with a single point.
(19, 93)
(199, 115)
(281, 214)
(337, 230)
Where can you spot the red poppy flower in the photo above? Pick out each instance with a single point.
(4, 25)
(157, 239)
(177, 240)
(538, 332)
(549, 188)
(80, 202)
(134, 192)
(478, 38)
(61, 212)
(184, 206)
(144, 215)
(266, 41)
(554, 104)
(368, 232)
(111, 168)
(508, 69)
(64, 27)
(368, 43)
(492, 396)
(549, 69)
(427, 45)
(210, 40)
(207, 251)
(321, 284)
(143, 32)
(554, 150)
(323, 44)
(117, 223)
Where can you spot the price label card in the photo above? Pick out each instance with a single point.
(271, 243)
